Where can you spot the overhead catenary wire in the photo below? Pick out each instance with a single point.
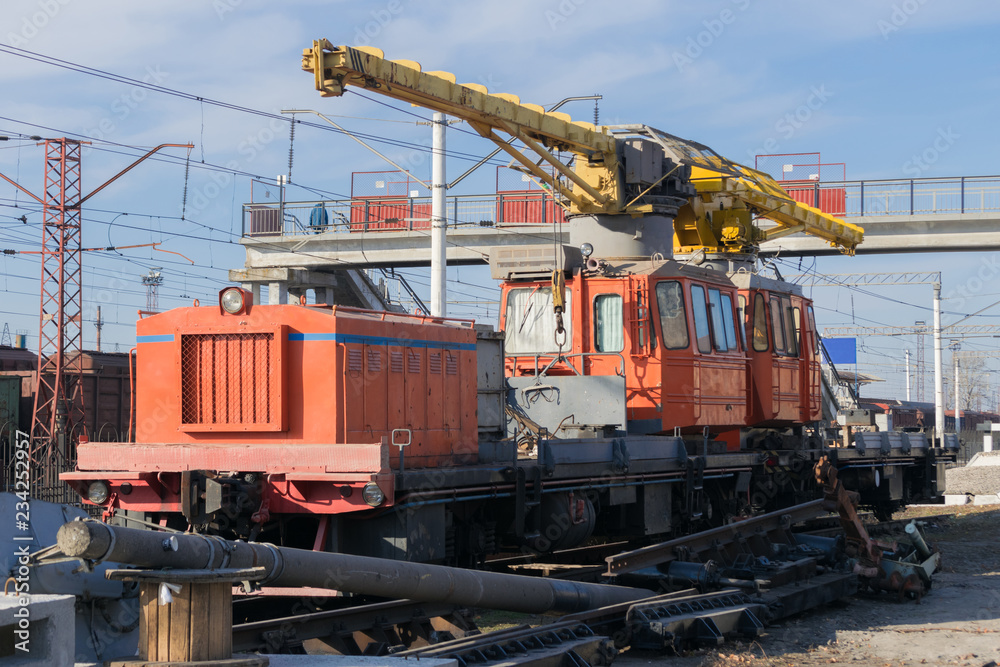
(83, 69)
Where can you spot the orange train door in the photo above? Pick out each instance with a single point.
(704, 369)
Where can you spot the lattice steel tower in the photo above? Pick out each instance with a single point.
(152, 281)
(58, 399)
(58, 419)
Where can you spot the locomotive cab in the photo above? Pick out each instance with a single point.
(666, 334)
(784, 387)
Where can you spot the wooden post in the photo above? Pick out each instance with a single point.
(196, 627)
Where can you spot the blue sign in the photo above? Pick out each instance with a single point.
(841, 350)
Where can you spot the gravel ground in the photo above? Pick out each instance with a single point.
(958, 623)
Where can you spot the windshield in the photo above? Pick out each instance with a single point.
(530, 323)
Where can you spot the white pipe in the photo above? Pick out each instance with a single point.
(439, 187)
(907, 376)
(958, 411)
(938, 379)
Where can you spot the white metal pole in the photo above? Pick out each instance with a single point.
(907, 376)
(439, 186)
(938, 379)
(958, 410)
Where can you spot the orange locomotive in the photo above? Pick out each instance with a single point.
(298, 408)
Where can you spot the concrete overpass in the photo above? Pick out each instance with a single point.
(902, 215)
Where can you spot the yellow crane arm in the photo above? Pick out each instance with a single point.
(336, 67)
(726, 194)
(763, 196)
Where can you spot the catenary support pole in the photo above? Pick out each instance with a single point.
(439, 251)
(958, 407)
(93, 540)
(938, 378)
(907, 376)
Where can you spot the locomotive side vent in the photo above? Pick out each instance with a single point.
(230, 381)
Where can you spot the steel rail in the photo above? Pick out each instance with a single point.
(664, 552)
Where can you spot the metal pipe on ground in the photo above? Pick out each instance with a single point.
(913, 532)
(286, 567)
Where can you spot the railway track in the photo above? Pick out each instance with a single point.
(689, 592)
(368, 629)
(767, 590)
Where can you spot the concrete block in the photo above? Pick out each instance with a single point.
(48, 627)
(985, 499)
(955, 499)
(984, 459)
(355, 661)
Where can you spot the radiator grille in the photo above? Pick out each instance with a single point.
(226, 379)
(374, 361)
(355, 361)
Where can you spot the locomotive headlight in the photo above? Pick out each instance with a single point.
(97, 492)
(232, 300)
(372, 494)
(586, 250)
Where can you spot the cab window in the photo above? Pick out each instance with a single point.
(609, 328)
(759, 324)
(699, 309)
(724, 341)
(791, 331)
(812, 327)
(741, 319)
(673, 320)
(530, 322)
(777, 326)
(727, 321)
(797, 328)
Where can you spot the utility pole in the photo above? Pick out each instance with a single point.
(921, 366)
(907, 375)
(955, 347)
(938, 378)
(439, 224)
(98, 324)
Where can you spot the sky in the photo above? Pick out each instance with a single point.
(867, 83)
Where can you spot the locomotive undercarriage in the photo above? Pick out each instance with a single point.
(575, 492)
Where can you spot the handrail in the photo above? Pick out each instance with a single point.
(867, 197)
(557, 357)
